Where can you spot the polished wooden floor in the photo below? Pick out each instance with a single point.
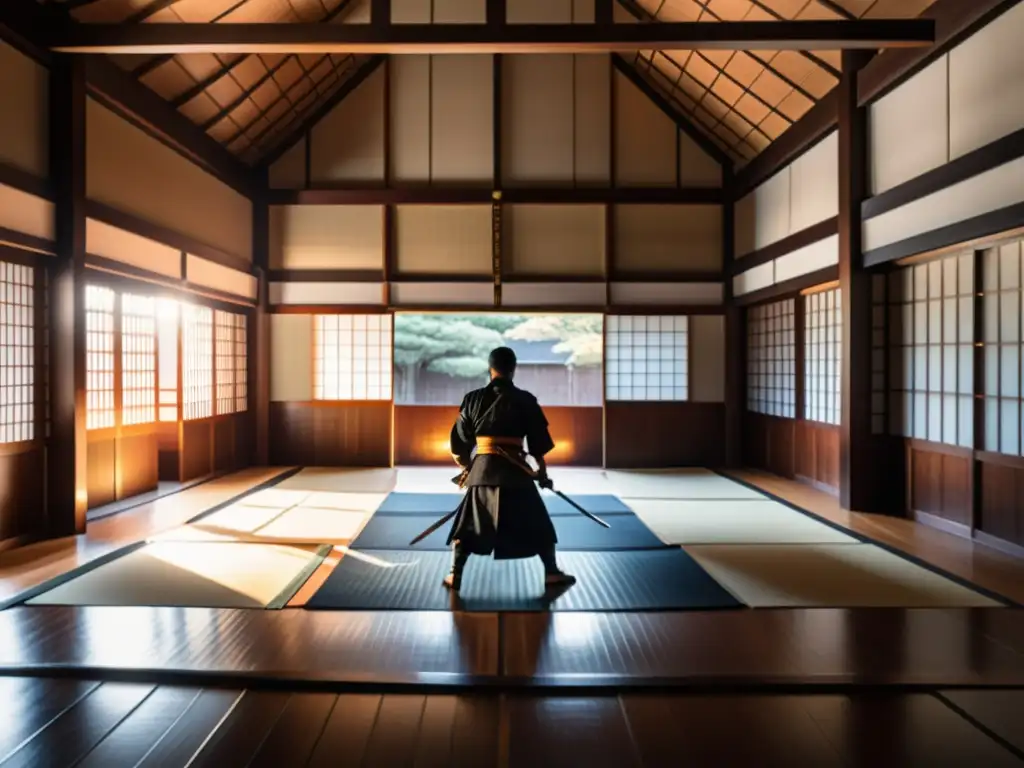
(90, 724)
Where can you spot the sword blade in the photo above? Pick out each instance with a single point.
(433, 527)
(582, 511)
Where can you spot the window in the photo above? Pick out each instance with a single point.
(167, 339)
(931, 327)
(225, 361)
(823, 325)
(352, 357)
(17, 347)
(1002, 348)
(771, 359)
(647, 358)
(441, 356)
(138, 359)
(241, 364)
(99, 347)
(197, 361)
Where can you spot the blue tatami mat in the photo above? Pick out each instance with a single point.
(439, 503)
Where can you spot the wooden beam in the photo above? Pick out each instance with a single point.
(356, 79)
(66, 462)
(954, 21)
(662, 103)
(735, 342)
(259, 326)
(490, 38)
(441, 195)
(856, 478)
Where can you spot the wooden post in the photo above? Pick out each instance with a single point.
(66, 457)
(735, 334)
(856, 490)
(259, 328)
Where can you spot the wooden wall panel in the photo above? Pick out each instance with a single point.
(137, 461)
(25, 213)
(22, 494)
(101, 469)
(909, 129)
(593, 97)
(102, 239)
(347, 145)
(196, 449)
(645, 139)
(538, 118)
(209, 274)
(986, 84)
(707, 358)
(668, 238)
(696, 167)
(793, 448)
(327, 237)
(289, 172)
(422, 435)
(445, 239)
(172, 193)
(323, 434)
(554, 239)
(224, 444)
(940, 481)
(24, 113)
(168, 451)
(1002, 501)
(660, 435)
(816, 454)
(410, 118)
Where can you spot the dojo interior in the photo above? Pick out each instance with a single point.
(771, 301)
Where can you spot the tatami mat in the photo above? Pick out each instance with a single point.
(352, 502)
(341, 480)
(210, 575)
(275, 498)
(676, 484)
(426, 479)
(316, 525)
(830, 576)
(732, 521)
(240, 517)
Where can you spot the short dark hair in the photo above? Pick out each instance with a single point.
(503, 361)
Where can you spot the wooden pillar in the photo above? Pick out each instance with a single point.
(66, 456)
(735, 334)
(856, 491)
(259, 328)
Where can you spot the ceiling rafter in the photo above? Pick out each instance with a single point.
(807, 54)
(837, 9)
(149, 11)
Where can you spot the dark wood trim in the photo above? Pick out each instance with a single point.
(604, 12)
(735, 336)
(326, 276)
(328, 309)
(957, 235)
(657, 309)
(440, 277)
(612, 309)
(667, 277)
(800, 357)
(160, 234)
(651, 92)
(15, 255)
(451, 195)
(945, 449)
(21, 241)
(812, 234)
(356, 79)
(524, 277)
(856, 470)
(999, 459)
(788, 288)
(67, 455)
(24, 27)
(954, 21)
(999, 152)
(977, 479)
(802, 136)
(865, 34)
(16, 178)
(128, 277)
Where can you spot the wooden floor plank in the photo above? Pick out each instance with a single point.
(886, 731)
(766, 731)
(1001, 712)
(184, 739)
(76, 731)
(396, 731)
(347, 732)
(133, 738)
(553, 731)
(31, 703)
(243, 731)
(435, 746)
(295, 734)
(475, 733)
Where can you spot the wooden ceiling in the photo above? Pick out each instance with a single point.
(250, 103)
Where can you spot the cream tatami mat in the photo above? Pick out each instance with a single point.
(339, 480)
(732, 521)
(354, 502)
(426, 479)
(190, 574)
(676, 484)
(315, 525)
(830, 576)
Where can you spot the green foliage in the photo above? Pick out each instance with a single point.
(579, 336)
(496, 322)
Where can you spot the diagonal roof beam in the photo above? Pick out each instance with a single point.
(487, 38)
(150, 10)
(837, 9)
(354, 80)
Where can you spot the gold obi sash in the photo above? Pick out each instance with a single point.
(498, 446)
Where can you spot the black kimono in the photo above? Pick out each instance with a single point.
(502, 512)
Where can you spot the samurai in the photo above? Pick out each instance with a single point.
(502, 512)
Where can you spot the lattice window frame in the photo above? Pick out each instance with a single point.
(353, 357)
(638, 348)
(771, 359)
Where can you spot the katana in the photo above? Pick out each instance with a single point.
(580, 509)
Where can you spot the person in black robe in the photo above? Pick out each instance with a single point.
(502, 512)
